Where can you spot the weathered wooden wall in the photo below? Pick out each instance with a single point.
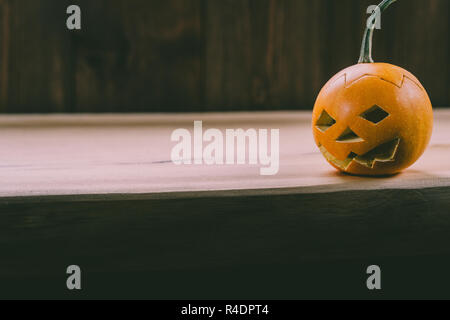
(204, 55)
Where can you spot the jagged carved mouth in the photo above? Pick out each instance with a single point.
(383, 153)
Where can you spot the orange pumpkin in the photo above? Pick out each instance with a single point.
(372, 118)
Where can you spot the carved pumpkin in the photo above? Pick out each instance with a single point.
(372, 118)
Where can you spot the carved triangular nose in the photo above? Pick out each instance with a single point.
(348, 136)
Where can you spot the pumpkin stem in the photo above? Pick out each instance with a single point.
(366, 48)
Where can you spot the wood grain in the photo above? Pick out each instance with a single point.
(131, 154)
(205, 55)
(139, 53)
(36, 53)
(101, 191)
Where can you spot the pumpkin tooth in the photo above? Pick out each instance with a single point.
(383, 153)
(341, 164)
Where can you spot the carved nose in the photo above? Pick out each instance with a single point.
(348, 136)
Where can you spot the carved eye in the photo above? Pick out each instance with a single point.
(375, 114)
(325, 121)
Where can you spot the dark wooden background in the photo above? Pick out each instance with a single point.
(205, 55)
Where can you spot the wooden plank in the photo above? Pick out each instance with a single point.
(136, 54)
(36, 55)
(5, 43)
(406, 37)
(131, 154)
(205, 55)
(101, 191)
(221, 231)
(256, 54)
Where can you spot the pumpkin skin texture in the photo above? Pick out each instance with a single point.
(372, 119)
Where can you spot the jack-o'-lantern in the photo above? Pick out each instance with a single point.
(372, 118)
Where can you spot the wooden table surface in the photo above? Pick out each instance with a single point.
(130, 155)
(101, 191)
